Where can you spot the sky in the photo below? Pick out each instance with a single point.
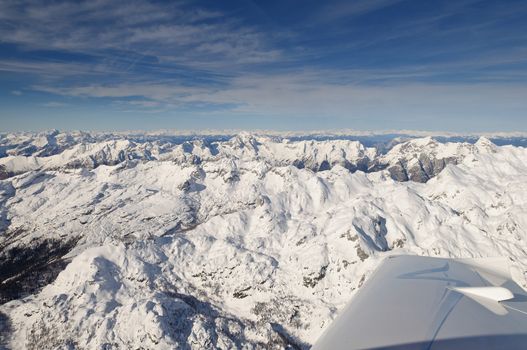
(457, 66)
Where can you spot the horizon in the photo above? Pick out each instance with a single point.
(251, 65)
(281, 133)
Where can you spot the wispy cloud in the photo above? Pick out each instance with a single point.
(54, 104)
(111, 28)
(345, 9)
(50, 68)
(311, 94)
(159, 92)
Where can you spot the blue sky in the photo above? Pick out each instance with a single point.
(283, 65)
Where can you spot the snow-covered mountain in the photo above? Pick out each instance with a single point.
(421, 159)
(316, 155)
(250, 242)
(416, 159)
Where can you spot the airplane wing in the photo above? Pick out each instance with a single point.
(413, 302)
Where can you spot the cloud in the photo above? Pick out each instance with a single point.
(345, 9)
(145, 103)
(154, 92)
(16, 92)
(312, 94)
(111, 28)
(49, 68)
(53, 104)
(152, 57)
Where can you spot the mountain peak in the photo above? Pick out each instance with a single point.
(485, 144)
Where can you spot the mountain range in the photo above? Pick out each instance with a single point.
(245, 241)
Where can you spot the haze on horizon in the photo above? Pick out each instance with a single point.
(275, 65)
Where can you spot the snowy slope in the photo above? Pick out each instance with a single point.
(254, 242)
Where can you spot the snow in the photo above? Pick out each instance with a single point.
(233, 244)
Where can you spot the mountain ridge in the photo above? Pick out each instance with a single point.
(415, 159)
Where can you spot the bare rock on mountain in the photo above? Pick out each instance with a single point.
(420, 160)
